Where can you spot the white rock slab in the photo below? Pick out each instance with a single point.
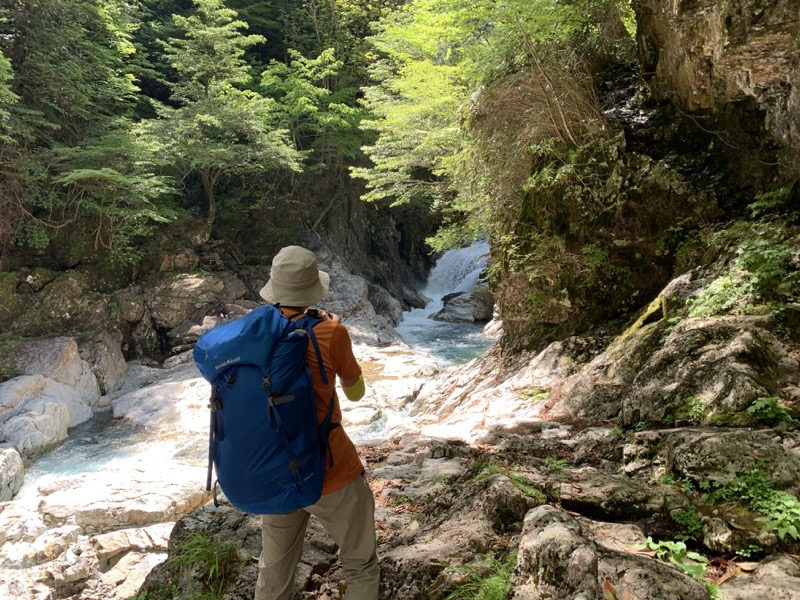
(35, 412)
(133, 497)
(175, 401)
(19, 523)
(17, 392)
(152, 539)
(47, 547)
(42, 426)
(129, 573)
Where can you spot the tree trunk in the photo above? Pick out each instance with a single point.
(208, 186)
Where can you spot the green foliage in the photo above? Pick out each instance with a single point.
(690, 519)
(537, 395)
(218, 130)
(762, 272)
(771, 410)
(774, 204)
(316, 118)
(779, 510)
(677, 554)
(158, 591)
(64, 83)
(693, 410)
(487, 584)
(121, 200)
(522, 483)
(555, 464)
(213, 562)
(781, 514)
(208, 57)
(7, 97)
(434, 55)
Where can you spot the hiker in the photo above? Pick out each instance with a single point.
(347, 507)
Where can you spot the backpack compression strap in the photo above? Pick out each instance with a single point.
(215, 425)
(326, 426)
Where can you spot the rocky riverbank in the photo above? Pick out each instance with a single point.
(95, 530)
(662, 462)
(566, 473)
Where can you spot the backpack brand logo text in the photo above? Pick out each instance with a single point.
(230, 361)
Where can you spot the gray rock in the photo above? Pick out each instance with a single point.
(718, 456)
(777, 578)
(557, 559)
(385, 304)
(726, 363)
(708, 56)
(609, 496)
(174, 297)
(12, 474)
(477, 306)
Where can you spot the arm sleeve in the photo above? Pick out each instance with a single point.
(347, 366)
(356, 391)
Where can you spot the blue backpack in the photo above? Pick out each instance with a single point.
(264, 439)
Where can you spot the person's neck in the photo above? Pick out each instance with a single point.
(293, 310)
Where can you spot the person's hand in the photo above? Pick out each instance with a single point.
(326, 316)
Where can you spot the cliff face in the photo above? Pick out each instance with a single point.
(712, 55)
(385, 245)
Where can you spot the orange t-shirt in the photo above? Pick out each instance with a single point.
(338, 360)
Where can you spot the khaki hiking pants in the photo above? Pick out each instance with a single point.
(348, 514)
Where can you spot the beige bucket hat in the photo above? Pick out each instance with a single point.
(294, 279)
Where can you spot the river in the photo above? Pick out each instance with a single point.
(449, 343)
(116, 445)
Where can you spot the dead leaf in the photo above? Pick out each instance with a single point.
(627, 594)
(609, 591)
(632, 550)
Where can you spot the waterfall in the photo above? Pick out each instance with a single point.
(449, 343)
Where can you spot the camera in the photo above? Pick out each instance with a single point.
(313, 313)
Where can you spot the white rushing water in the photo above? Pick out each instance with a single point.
(449, 343)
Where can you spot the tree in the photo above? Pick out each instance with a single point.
(7, 98)
(219, 129)
(318, 119)
(65, 88)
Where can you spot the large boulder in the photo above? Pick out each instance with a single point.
(172, 298)
(473, 307)
(718, 456)
(12, 474)
(68, 304)
(103, 352)
(724, 363)
(58, 359)
(42, 425)
(558, 559)
(704, 370)
(777, 578)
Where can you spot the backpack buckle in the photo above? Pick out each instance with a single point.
(265, 382)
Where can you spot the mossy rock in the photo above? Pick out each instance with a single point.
(107, 276)
(73, 246)
(34, 280)
(8, 357)
(12, 304)
(732, 419)
(68, 305)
